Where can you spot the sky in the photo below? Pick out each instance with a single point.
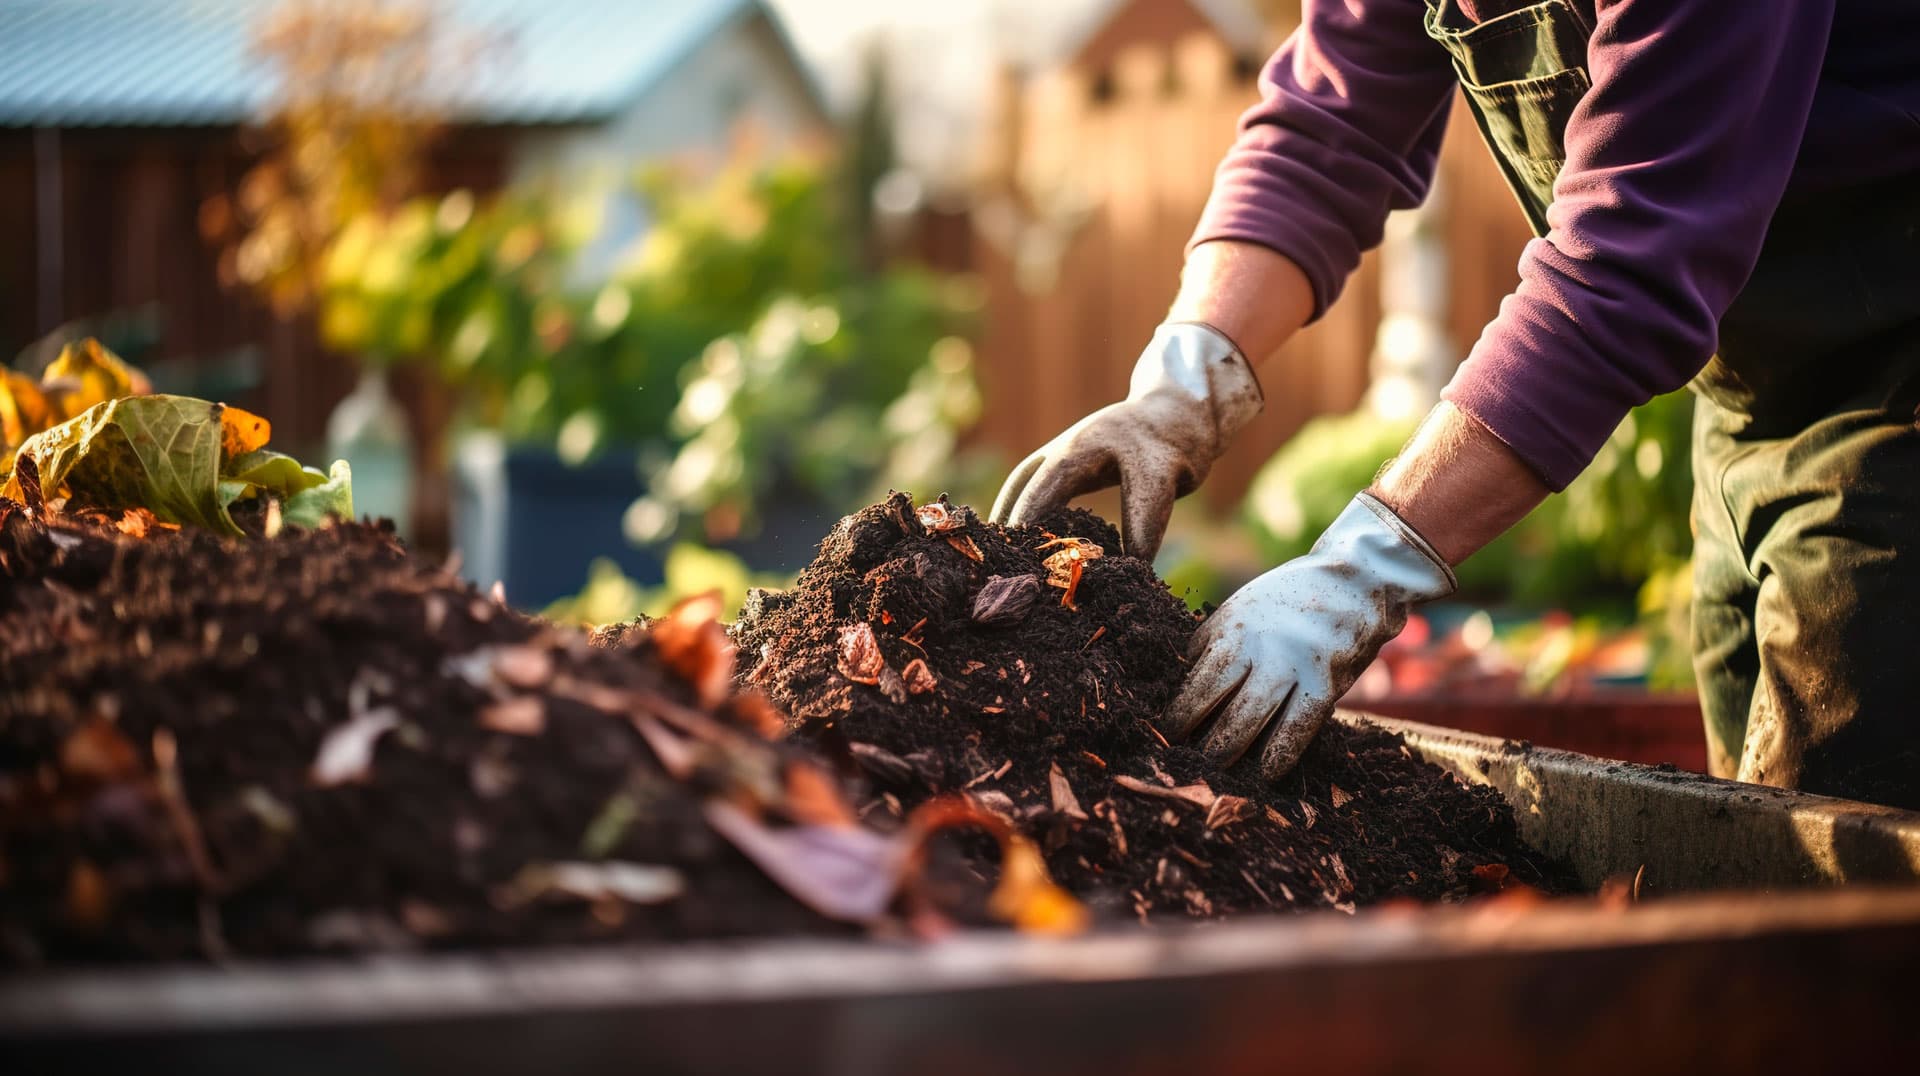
(941, 55)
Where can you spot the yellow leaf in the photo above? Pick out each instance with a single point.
(86, 373)
(24, 409)
(241, 432)
(1027, 898)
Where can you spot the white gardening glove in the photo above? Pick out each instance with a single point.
(1285, 647)
(1191, 392)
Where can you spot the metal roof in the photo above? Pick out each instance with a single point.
(76, 63)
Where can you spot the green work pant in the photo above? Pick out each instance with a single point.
(1806, 606)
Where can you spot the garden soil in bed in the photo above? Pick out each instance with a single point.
(318, 743)
(887, 654)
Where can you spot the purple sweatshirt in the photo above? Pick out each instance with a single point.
(1703, 116)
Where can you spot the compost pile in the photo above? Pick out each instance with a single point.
(214, 746)
(936, 653)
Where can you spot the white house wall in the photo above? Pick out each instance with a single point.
(744, 71)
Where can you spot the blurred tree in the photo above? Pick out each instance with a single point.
(344, 138)
(870, 150)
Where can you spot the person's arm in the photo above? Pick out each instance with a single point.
(1676, 159)
(1353, 107)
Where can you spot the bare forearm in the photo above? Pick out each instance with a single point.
(1253, 295)
(1458, 485)
(1455, 483)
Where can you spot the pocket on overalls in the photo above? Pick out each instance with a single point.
(1523, 74)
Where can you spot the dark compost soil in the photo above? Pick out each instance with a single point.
(164, 702)
(1046, 715)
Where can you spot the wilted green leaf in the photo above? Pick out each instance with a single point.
(312, 507)
(264, 470)
(157, 452)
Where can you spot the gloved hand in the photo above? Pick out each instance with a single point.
(1283, 649)
(1191, 391)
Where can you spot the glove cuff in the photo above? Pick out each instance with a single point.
(1371, 537)
(1198, 361)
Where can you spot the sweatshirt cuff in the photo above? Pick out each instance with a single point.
(1252, 205)
(1556, 434)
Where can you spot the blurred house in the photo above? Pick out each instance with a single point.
(120, 118)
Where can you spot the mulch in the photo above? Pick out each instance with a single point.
(1045, 714)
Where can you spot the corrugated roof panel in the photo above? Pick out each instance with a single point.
(188, 62)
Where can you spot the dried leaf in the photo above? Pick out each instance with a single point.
(692, 642)
(346, 754)
(1064, 801)
(86, 373)
(882, 763)
(676, 755)
(848, 873)
(524, 667)
(1064, 567)
(24, 409)
(1491, 875)
(522, 715)
(1025, 896)
(26, 476)
(89, 899)
(918, 678)
(1308, 813)
(634, 883)
(1227, 810)
(965, 545)
(1340, 872)
(754, 712)
(1197, 794)
(814, 798)
(97, 751)
(941, 516)
(860, 657)
(241, 432)
(1004, 600)
(136, 523)
(162, 452)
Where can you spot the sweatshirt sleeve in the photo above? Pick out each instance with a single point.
(1352, 110)
(1677, 158)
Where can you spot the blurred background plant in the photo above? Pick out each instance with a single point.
(343, 138)
(612, 597)
(1615, 545)
(742, 353)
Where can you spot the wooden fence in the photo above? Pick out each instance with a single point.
(1091, 187)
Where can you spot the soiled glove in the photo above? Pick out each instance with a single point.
(1279, 653)
(1191, 392)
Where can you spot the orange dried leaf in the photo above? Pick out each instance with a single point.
(860, 657)
(966, 547)
(918, 677)
(752, 710)
(814, 799)
(97, 751)
(1227, 810)
(692, 642)
(89, 898)
(522, 715)
(241, 431)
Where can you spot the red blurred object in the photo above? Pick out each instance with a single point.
(1632, 726)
